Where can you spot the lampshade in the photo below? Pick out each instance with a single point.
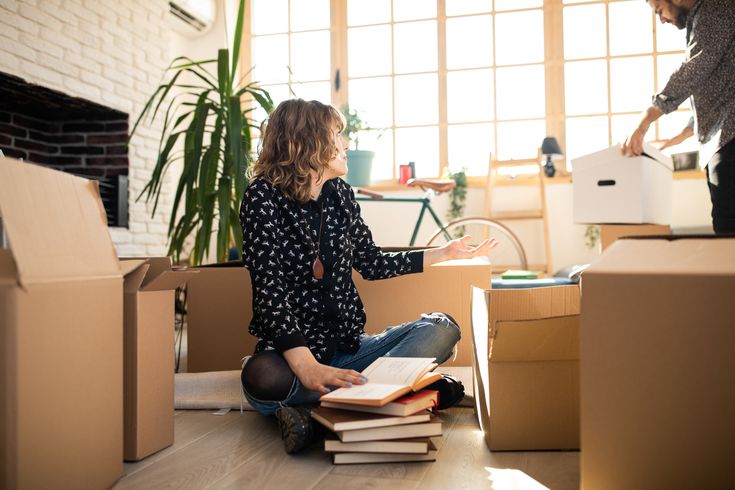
(550, 147)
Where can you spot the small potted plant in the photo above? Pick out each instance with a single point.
(359, 162)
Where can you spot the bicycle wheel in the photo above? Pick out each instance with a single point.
(508, 254)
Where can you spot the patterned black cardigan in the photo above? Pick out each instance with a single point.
(290, 307)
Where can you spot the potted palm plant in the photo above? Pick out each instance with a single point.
(207, 115)
(359, 162)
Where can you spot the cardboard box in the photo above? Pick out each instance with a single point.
(612, 188)
(610, 233)
(149, 355)
(61, 317)
(527, 366)
(219, 307)
(657, 365)
(442, 287)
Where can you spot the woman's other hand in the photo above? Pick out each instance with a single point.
(319, 377)
(460, 248)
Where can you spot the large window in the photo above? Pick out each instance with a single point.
(447, 83)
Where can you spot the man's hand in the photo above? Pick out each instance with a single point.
(319, 377)
(633, 144)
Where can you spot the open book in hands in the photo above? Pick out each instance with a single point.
(388, 379)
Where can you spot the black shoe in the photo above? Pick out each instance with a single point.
(451, 391)
(297, 428)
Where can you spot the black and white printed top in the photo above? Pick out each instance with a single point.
(290, 307)
(708, 74)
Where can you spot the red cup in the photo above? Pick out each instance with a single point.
(404, 174)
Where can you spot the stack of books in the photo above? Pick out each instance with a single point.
(382, 421)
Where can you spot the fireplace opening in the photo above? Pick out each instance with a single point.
(71, 134)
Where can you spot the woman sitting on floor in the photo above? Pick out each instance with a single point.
(302, 236)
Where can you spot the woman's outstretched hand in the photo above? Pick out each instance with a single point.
(459, 248)
(319, 377)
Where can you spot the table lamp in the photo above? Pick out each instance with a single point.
(552, 151)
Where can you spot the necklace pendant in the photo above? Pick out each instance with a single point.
(317, 268)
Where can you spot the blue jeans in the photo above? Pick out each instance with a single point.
(432, 335)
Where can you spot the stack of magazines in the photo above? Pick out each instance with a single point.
(388, 419)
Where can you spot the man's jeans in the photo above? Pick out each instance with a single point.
(432, 335)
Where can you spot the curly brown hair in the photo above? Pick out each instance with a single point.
(298, 140)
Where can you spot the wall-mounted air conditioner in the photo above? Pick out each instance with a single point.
(191, 17)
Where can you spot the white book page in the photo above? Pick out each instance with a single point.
(402, 371)
(368, 391)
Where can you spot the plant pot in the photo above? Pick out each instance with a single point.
(359, 166)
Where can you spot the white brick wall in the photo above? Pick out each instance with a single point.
(108, 51)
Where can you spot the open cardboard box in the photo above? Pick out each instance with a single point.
(61, 331)
(612, 188)
(149, 354)
(527, 366)
(610, 233)
(657, 365)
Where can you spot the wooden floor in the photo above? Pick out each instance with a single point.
(244, 450)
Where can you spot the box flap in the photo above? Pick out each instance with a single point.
(547, 339)
(134, 272)
(680, 255)
(166, 280)
(55, 223)
(614, 154)
(533, 303)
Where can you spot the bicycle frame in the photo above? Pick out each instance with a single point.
(425, 205)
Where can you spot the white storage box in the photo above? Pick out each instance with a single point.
(612, 188)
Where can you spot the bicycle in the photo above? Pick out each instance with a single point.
(444, 232)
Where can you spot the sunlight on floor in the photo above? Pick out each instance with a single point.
(509, 479)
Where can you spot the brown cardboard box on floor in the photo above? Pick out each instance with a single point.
(149, 354)
(442, 287)
(61, 317)
(610, 233)
(657, 365)
(527, 366)
(219, 307)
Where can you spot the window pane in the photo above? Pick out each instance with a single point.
(309, 14)
(413, 9)
(670, 38)
(416, 100)
(631, 83)
(520, 92)
(584, 31)
(459, 7)
(520, 140)
(414, 47)
(420, 145)
(320, 91)
(270, 58)
(381, 142)
(470, 147)
(362, 12)
(373, 98)
(585, 87)
(278, 93)
(369, 50)
(475, 86)
(586, 135)
(470, 42)
(517, 4)
(270, 16)
(630, 28)
(520, 37)
(667, 64)
(310, 58)
(622, 126)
